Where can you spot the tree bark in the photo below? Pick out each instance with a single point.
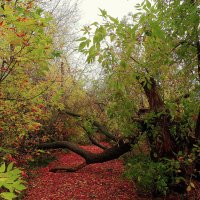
(197, 129)
(68, 169)
(155, 102)
(164, 145)
(107, 155)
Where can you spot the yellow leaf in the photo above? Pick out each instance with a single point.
(189, 188)
(192, 185)
(8, 10)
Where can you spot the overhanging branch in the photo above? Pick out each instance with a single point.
(108, 154)
(96, 124)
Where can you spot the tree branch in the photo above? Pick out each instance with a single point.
(100, 127)
(108, 154)
(93, 140)
(68, 169)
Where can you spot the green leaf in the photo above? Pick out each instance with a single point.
(148, 85)
(92, 50)
(82, 46)
(39, 11)
(97, 45)
(100, 34)
(112, 37)
(95, 24)
(56, 53)
(82, 39)
(115, 20)
(3, 180)
(123, 63)
(148, 4)
(9, 186)
(87, 42)
(10, 166)
(14, 173)
(103, 12)
(3, 168)
(19, 186)
(8, 195)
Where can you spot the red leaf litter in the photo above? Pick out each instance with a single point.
(101, 181)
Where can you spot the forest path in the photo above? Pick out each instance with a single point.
(101, 181)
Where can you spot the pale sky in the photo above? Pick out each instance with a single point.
(116, 8)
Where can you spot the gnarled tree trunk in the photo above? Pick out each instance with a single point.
(108, 154)
(164, 145)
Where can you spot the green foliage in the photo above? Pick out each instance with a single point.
(88, 126)
(56, 53)
(154, 176)
(80, 138)
(26, 50)
(11, 181)
(149, 175)
(158, 42)
(160, 176)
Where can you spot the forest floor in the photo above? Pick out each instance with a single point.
(103, 181)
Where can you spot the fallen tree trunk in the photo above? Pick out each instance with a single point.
(107, 155)
(68, 169)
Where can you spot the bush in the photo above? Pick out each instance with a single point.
(156, 177)
(148, 174)
(11, 183)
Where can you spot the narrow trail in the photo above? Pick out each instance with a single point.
(96, 181)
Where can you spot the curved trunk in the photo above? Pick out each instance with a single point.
(69, 145)
(108, 154)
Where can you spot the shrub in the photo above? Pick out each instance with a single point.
(147, 174)
(156, 177)
(11, 183)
